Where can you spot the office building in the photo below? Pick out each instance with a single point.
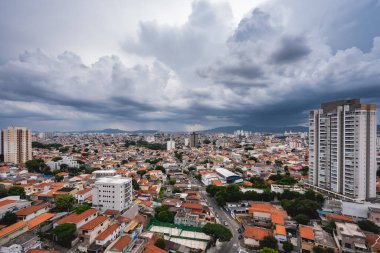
(342, 144)
(194, 142)
(16, 144)
(112, 193)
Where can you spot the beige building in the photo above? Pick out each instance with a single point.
(350, 238)
(16, 144)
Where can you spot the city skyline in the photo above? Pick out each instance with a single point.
(188, 66)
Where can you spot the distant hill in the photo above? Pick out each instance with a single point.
(119, 131)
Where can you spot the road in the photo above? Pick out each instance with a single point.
(234, 244)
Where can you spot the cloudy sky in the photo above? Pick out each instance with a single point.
(183, 65)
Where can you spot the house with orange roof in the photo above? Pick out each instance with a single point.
(121, 245)
(307, 239)
(108, 235)
(280, 233)
(264, 214)
(253, 235)
(78, 219)
(39, 220)
(90, 230)
(31, 212)
(12, 231)
(82, 195)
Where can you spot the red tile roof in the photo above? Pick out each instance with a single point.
(39, 219)
(94, 223)
(76, 218)
(154, 249)
(6, 202)
(257, 233)
(338, 217)
(31, 209)
(10, 229)
(307, 232)
(122, 243)
(192, 206)
(107, 232)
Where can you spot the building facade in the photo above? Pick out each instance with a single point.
(16, 144)
(342, 145)
(112, 193)
(194, 142)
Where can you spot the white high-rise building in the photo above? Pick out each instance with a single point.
(16, 144)
(170, 145)
(112, 193)
(342, 144)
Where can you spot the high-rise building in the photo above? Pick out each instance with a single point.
(194, 140)
(170, 145)
(16, 144)
(112, 193)
(342, 143)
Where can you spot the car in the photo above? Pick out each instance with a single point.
(240, 237)
(239, 230)
(225, 223)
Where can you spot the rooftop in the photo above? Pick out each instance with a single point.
(107, 232)
(94, 223)
(31, 209)
(121, 243)
(113, 180)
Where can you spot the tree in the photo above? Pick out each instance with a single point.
(302, 219)
(35, 165)
(207, 141)
(135, 185)
(80, 209)
(217, 231)
(17, 191)
(58, 178)
(269, 242)
(268, 250)
(160, 243)
(163, 214)
(65, 231)
(56, 159)
(369, 226)
(9, 218)
(329, 227)
(318, 249)
(141, 172)
(172, 181)
(287, 246)
(305, 170)
(64, 202)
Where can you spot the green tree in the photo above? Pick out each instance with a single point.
(35, 165)
(80, 209)
(287, 246)
(318, 249)
(64, 231)
(9, 218)
(329, 227)
(17, 191)
(64, 203)
(268, 250)
(135, 185)
(302, 219)
(369, 226)
(269, 242)
(141, 172)
(58, 178)
(160, 243)
(162, 214)
(56, 159)
(172, 181)
(217, 231)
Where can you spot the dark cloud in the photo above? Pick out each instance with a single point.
(291, 49)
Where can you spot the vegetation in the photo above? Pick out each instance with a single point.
(135, 185)
(36, 144)
(320, 249)
(369, 226)
(283, 179)
(305, 170)
(58, 178)
(302, 219)
(17, 191)
(36, 165)
(259, 183)
(287, 246)
(269, 242)
(56, 159)
(153, 146)
(217, 231)
(64, 233)
(154, 161)
(329, 227)
(9, 218)
(160, 243)
(141, 172)
(64, 203)
(80, 209)
(268, 250)
(162, 214)
(172, 181)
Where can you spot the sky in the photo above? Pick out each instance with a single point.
(183, 65)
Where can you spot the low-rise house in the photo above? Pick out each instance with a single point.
(350, 238)
(121, 245)
(306, 234)
(90, 230)
(374, 215)
(82, 195)
(31, 212)
(108, 235)
(187, 218)
(12, 231)
(253, 235)
(78, 219)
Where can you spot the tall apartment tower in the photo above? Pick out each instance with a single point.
(16, 144)
(342, 143)
(113, 193)
(193, 140)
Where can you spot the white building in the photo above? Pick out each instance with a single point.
(342, 144)
(186, 142)
(16, 144)
(69, 161)
(114, 193)
(170, 145)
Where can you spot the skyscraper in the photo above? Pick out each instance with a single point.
(16, 144)
(193, 140)
(342, 143)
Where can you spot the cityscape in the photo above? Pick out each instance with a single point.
(213, 126)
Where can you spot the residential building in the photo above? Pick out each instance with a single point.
(350, 238)
(31, 212)
(69, 161)
(170, 145)
(16, 144)
(253, 235)
(89, 231)
(12, 231)
(194, 140)
(112, 193)
(78, 219)
(342, 144)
